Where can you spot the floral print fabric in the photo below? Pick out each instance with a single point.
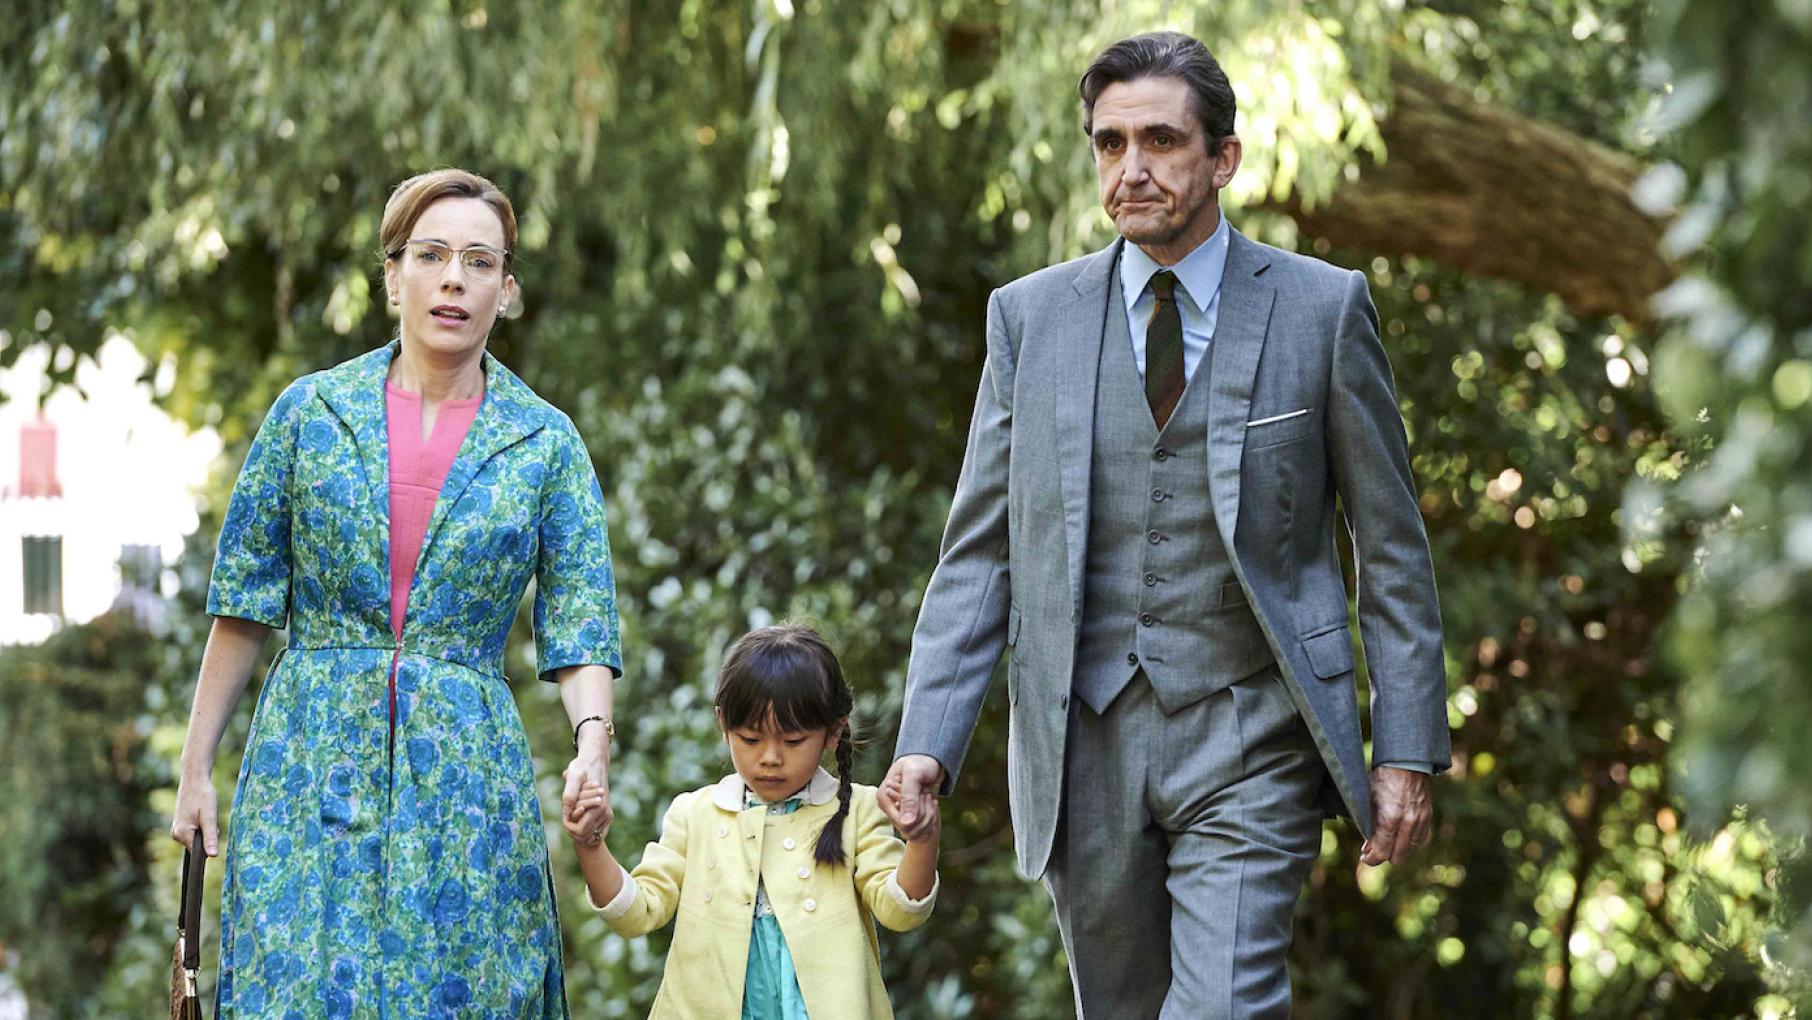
(369, 879)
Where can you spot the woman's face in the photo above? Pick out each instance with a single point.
(449, 282)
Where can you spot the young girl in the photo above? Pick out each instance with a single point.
(779, 871)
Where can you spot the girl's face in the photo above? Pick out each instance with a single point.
(774, 764)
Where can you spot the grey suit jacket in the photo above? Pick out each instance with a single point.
(1294, 335)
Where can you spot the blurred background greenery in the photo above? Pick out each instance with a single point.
(757, 240)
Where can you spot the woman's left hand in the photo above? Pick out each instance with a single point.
(586, 826)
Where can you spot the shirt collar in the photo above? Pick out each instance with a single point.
(729, 791)
(1199, 272)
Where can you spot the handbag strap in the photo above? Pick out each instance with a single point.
(188, 920)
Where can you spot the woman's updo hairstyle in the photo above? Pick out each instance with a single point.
(413, 197)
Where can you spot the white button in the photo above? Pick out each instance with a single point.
(805, 872)
(722, 831)
(710, 862)
(707, 895)
(810, 905)
(788, 843)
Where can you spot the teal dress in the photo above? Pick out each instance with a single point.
(372, 874)
(770, 989)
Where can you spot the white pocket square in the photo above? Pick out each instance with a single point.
(1278, 417)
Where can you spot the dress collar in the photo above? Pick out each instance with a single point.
(729, 791)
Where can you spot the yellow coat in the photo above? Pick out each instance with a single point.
(705, 867)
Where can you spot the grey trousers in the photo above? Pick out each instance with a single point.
(1183, 846)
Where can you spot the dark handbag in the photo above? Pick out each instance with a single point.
(185, 962)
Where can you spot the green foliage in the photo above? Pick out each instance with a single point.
(1737, 371)
(757, 239)
(75, 789)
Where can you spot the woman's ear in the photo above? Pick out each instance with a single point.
(507, 297)
(392, 283)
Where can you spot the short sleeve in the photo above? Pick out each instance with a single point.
(251, 578)
(575, 588)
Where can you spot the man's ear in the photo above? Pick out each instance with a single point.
(1226, 161)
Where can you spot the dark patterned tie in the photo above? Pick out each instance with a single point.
(1164, 378)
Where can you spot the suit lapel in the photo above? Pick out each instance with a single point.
(1239, 339)
(1082, 321)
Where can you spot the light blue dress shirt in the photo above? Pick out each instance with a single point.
(1199, 286)
(1198, 283)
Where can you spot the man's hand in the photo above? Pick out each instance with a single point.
(908, 796)
(1402, 815)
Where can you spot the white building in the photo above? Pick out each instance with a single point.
(97, 490)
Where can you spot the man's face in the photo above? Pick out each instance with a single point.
(1158, 180)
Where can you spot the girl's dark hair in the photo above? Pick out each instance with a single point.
(787, 675)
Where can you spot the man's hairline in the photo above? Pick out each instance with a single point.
(1189, 97)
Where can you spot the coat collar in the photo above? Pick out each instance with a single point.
(354, 391)
(728, 792)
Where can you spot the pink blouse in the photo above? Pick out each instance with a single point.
(417, 471)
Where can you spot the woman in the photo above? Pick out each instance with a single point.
(387, 855)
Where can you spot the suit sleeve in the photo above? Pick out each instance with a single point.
(651, 896)
(1399, 615)
(962, 623)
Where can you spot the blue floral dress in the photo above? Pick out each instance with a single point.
(376, 877)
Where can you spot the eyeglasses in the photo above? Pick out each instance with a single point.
(480, 261)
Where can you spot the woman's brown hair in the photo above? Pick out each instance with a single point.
(413, 197)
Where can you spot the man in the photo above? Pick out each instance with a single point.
(1146, 516)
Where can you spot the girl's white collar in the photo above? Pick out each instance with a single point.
(728, 793)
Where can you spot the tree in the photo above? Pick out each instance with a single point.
(757, 243)
(75, 799)
(1737, 370)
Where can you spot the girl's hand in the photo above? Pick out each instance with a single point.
(927, 823)
(585, 807)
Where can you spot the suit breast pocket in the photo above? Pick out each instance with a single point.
(1279, 429)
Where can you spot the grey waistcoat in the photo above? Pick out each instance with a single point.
(1159, 592)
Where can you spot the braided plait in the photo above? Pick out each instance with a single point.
(830, 840)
